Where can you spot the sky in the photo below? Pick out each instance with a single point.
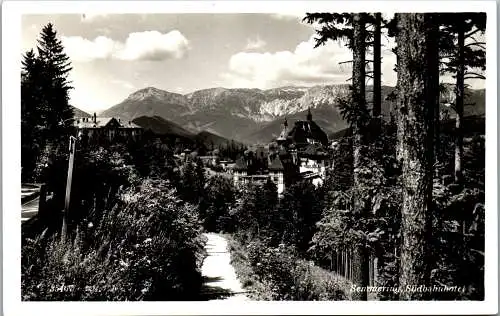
(114, 55)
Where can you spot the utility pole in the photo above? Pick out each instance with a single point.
(72, 145)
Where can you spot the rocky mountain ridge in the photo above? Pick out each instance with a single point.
(251, 115)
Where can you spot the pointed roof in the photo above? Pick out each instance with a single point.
(307, 129)
(284, 132)
(276, 165)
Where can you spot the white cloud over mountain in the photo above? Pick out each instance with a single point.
(255, 43)
(305, 65)
(147, 45)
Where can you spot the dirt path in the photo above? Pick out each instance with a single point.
(220, 281)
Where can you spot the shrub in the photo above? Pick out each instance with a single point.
(148, 247)
(291, 278)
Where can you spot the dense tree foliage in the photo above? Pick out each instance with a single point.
(147, 246)
(465, 59)
(218, 197)
(46, 117)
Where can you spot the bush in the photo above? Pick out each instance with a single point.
(291, 278)
(148, 247)
(218, 196)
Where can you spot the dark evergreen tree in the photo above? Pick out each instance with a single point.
(55, 85)
(31, 114)
(351, 28)
(467, 55)
(360, 255)
(377, 73)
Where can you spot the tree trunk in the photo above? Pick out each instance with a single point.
(377, 61)
(399, 115)
(434, 63)
(359, 277)
(459, 107)
(416, 98)
(338, 263)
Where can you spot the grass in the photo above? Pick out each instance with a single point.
(256, 290)
(328, 282)
(319, 284)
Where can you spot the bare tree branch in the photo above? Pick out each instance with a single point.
(350, 62)
(474, 74)
(479, 44)
(345, 62)
(472, 33)
(475, 77)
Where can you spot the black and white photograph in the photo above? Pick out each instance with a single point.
(233, 153)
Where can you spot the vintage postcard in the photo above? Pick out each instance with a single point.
(241, 157)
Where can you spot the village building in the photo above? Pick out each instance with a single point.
(209, 160)
(106, 128)
(298, 153)
(242, 174)
(226, 164)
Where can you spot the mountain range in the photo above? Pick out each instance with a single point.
(254, 115)
(79, 113)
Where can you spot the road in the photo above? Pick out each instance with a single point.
(220, 281)
(29, 209)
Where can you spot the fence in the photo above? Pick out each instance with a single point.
(341, 262)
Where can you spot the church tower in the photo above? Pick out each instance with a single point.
(282, 138)
(309, 115)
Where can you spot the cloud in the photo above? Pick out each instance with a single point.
(255, 43)
(123, 83)
(289, 16)
(89, 17)
(305, 65)
(148, 45)
(293, 17)
(82, 49)
(153, 45)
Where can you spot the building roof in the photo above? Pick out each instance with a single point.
(304, 130)
(88, 122)
(129, 124)
(276, 165)
(314, 150)
(240, 164)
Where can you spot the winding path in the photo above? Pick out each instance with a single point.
(220, 281)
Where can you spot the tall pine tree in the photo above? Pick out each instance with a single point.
(31, 114)
(55, 85)
(466, 56)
